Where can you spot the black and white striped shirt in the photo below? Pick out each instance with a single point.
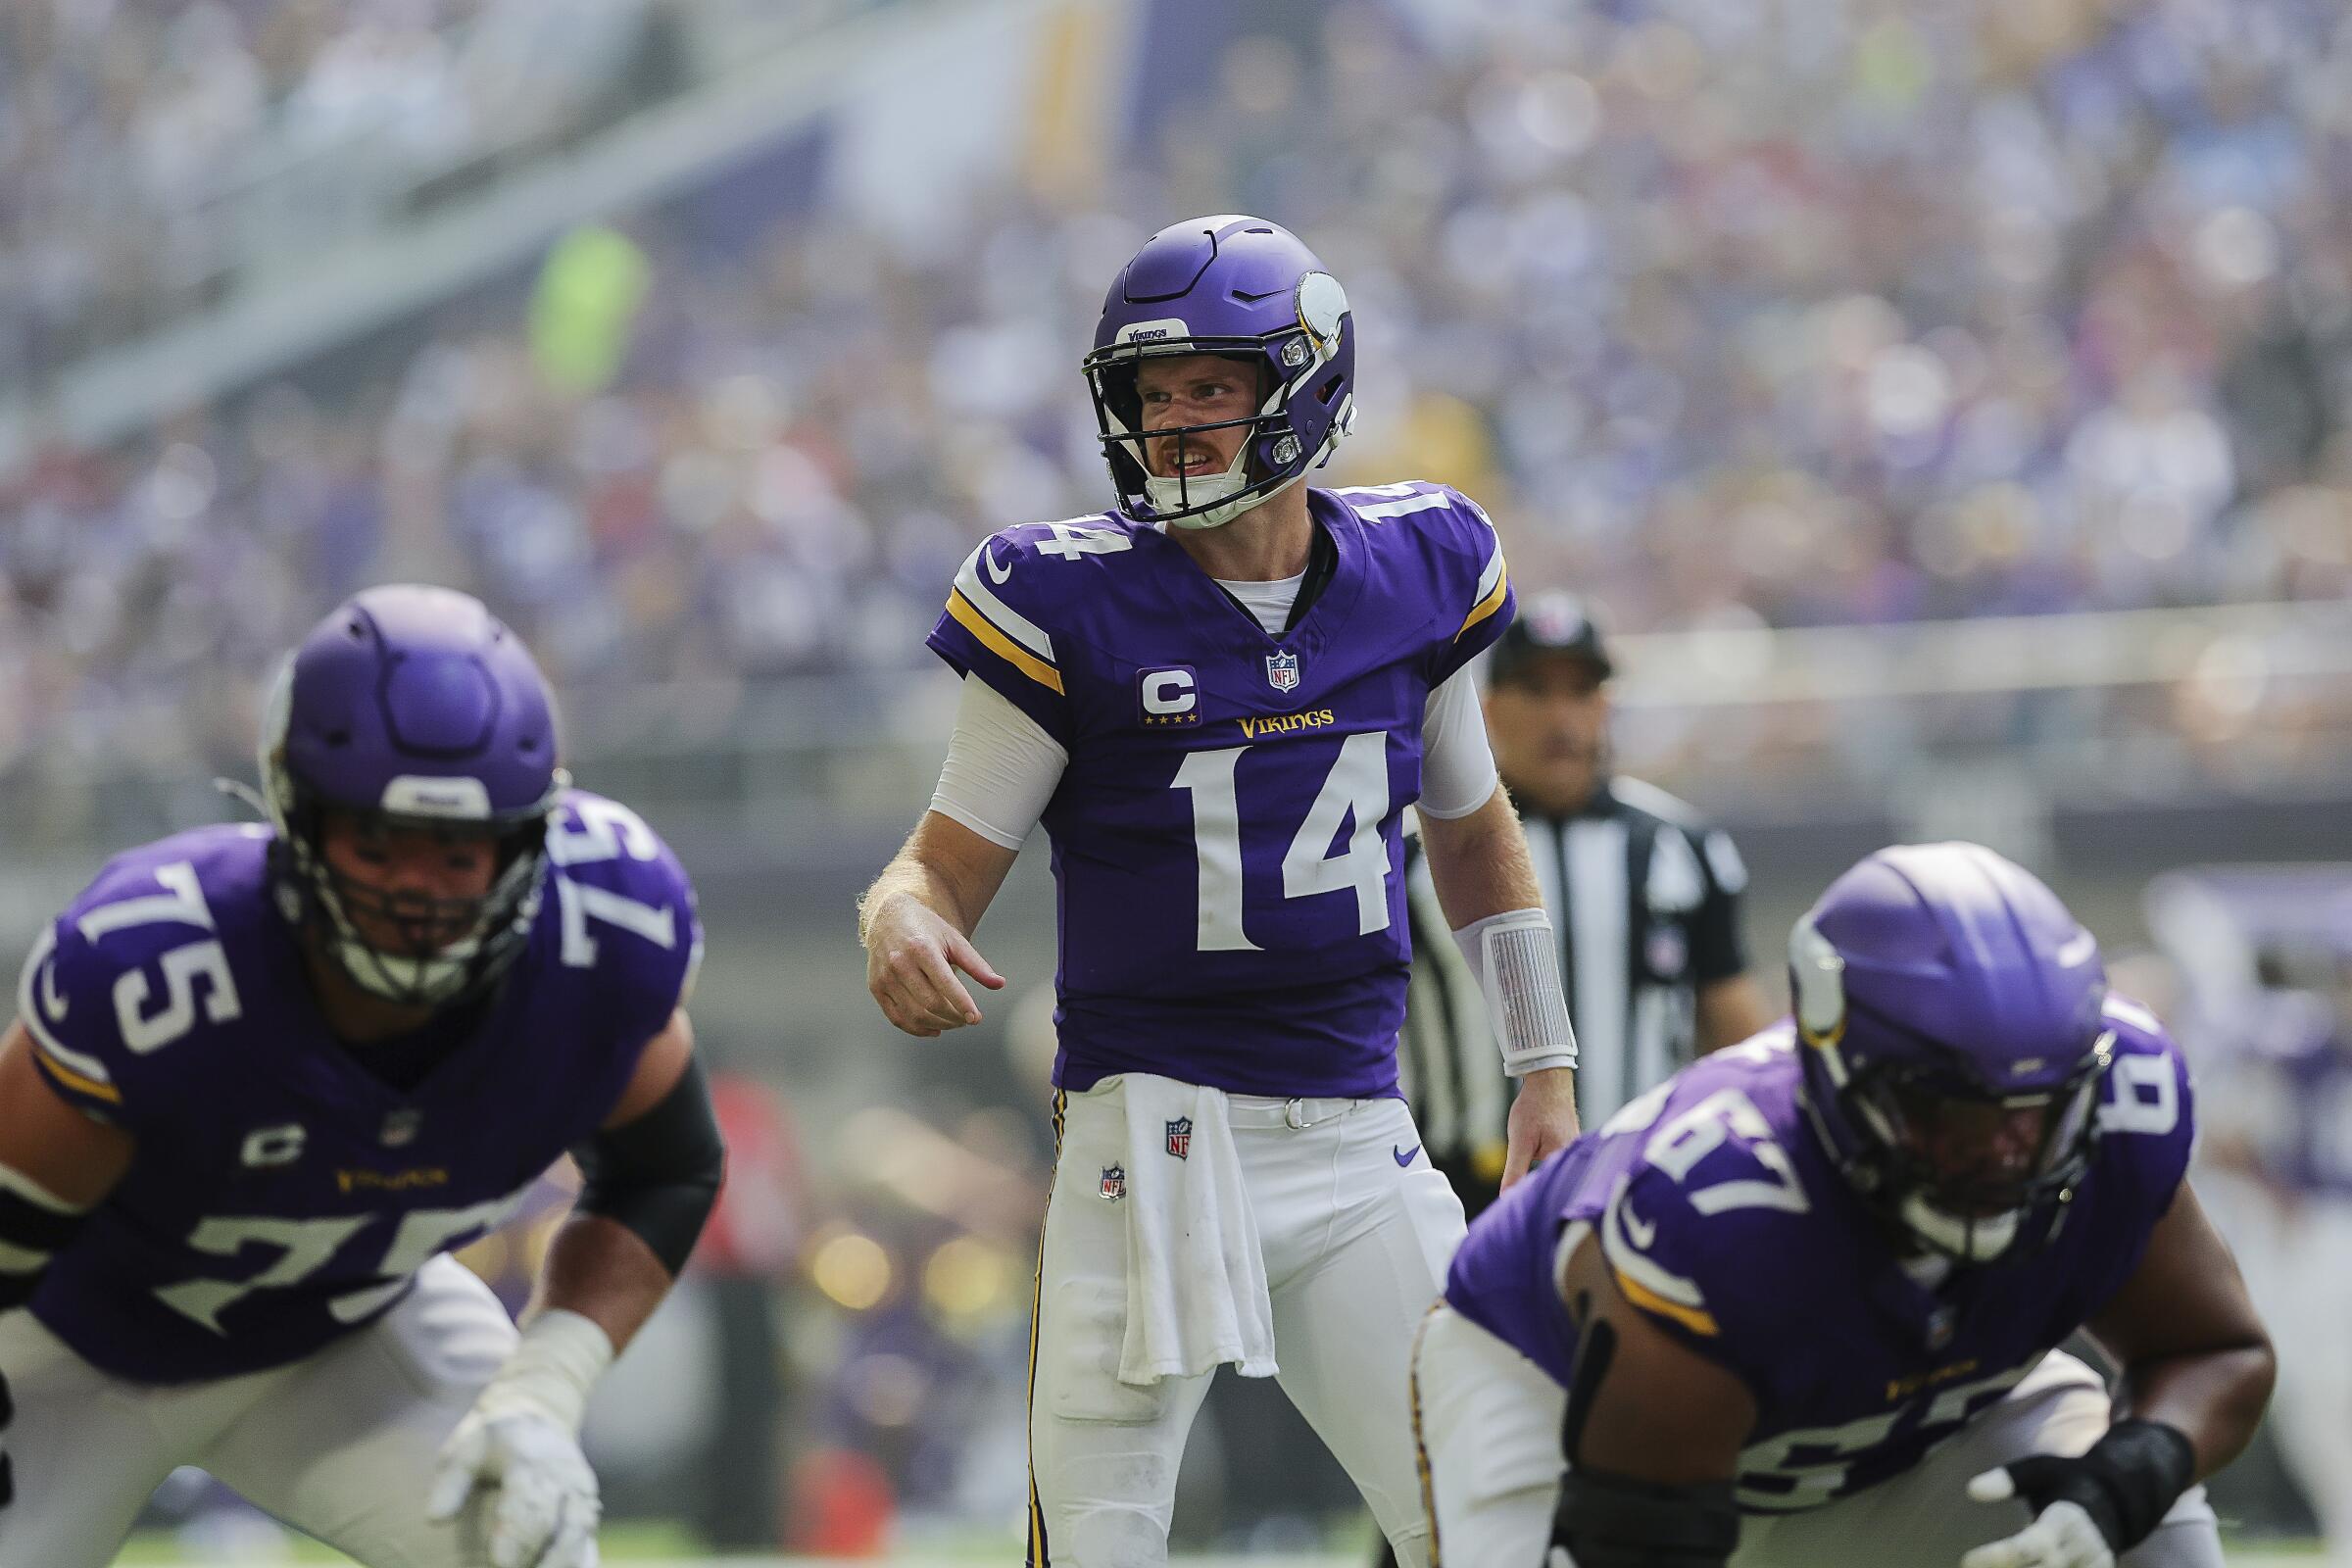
(1645, 896)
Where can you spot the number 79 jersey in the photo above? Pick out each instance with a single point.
(1226, 833)
(279, 1194)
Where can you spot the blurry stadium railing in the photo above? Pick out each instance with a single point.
(2209, 704)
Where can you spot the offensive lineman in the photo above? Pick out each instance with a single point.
(263, 1077)
(1818, 1280)
(1218, 699)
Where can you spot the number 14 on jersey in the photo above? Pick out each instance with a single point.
(1358, 782)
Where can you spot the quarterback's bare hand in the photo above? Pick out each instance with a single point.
(1542, 1119)
(911, 956)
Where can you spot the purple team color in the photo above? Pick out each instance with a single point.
(281, 1194)
(1226, 846)
(418, 682)
(1725, 1220)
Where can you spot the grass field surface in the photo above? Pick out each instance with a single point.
(657, 1548)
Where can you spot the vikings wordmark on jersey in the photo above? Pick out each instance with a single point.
(282, 1194)
(1711, 1188)
(1226, 843)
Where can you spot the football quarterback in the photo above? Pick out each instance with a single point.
(1219, 696)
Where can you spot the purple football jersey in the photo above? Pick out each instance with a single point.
(1723, 1219)
(1226, 846)
(280, 1193)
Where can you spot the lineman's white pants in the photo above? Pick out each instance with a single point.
(1489, 1420)
(1355, 1244)
(340, 1445)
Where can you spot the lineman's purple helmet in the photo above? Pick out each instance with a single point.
(412, 708)
(1950, 1018)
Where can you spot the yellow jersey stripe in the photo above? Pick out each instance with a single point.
(82, 1083)
(1695, 1319)
(1488, 606)
(1003, 647)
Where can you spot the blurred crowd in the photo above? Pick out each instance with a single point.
(1734, 314)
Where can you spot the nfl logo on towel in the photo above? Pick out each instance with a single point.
(1114, 1184)
(1282, 670)
(1180, 1137)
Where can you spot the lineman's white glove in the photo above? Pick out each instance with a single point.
(2088, 1510)
(2062, 1536)
(521, 1441)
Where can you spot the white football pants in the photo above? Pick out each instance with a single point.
(1355, 1241)
(1489, 1422)
(340, 1445)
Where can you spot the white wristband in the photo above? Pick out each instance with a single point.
(1517, 960)
(561, 1357)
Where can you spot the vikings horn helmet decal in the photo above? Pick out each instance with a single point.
(1949, 1015)
(1245, 289)
(412, 708)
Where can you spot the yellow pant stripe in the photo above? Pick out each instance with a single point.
(1037, 1308)
(1429, 1490)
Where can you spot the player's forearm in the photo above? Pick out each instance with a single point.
(602, 1270)
(943, 866)
(907, 877)
(2215, 1399)
(1479, 864)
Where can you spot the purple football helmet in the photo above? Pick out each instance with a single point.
(412, 708)
(1242, 288)
(1950, 1018)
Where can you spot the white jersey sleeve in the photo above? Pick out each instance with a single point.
(1458, 765)
(1002, 767)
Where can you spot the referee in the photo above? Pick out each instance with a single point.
(1643, 894)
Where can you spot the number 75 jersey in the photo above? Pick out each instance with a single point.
(280, 1193)
(1226, 833)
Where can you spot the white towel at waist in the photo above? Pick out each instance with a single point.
(1195, 1274)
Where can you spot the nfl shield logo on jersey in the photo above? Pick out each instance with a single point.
(1282, 670)
(1114, 1184)
(1180, 1137)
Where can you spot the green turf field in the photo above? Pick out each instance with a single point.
(657, 1547)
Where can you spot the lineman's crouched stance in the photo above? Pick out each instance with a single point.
(1798, 1305)
(264, 1077)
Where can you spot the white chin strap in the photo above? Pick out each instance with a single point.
(398, 979)
(391, 976)
(1977, 1240)
(1174, 494)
